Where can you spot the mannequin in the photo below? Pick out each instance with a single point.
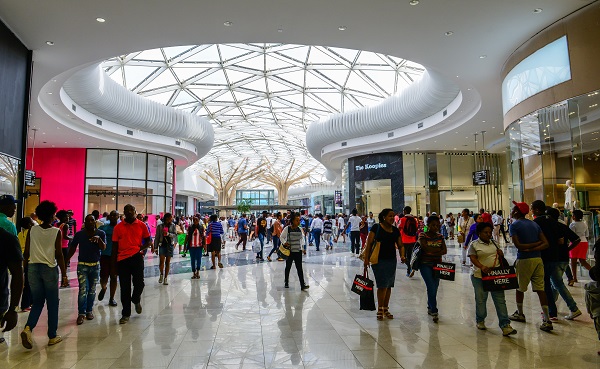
(570, 196)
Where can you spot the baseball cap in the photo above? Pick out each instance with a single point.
(7, 200)
(522, 206)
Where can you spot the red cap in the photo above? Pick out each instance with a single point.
(523, 207)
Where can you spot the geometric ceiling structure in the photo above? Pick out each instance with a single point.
(261, 98)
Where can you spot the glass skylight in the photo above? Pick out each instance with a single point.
(262, 97)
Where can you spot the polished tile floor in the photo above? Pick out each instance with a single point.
(242, 317)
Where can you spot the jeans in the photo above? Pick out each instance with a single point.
(43, 281)
(88, 278)
(481, 297)
(296, 258)
(355, 242)
(553, 284)
(408, 250)
(26, 297)
(432, 284)
(316, 233)
(269, 235)
(275, 245)
(196, 257)
(261, 238)
(243, 240)
(131, 269)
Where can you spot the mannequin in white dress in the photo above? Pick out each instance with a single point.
(570, 196)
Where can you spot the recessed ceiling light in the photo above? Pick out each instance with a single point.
(280, 30)
(537, 10)
(493, 127)
(100, 20)
(482, 56)
(414, 2)
(49, 93)
(228, 23)
(483, 121)
(449, 33)
(50, 43)
(342, 28)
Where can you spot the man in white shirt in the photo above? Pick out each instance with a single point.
(270, 221)
(341, 228)
(370, 221)
(354, 224)
(316, 228)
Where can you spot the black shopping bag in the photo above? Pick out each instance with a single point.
(443, 270)
(362, 283)
(367, 300)
(500, 278)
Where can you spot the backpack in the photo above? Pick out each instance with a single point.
(410, 227)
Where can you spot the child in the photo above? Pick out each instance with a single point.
(433, 247)
(592, 291)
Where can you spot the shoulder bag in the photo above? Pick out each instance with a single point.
(501, 278)
(374, 257)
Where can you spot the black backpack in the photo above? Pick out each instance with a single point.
(410, 227)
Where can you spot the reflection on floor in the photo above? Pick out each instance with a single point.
(242, 317)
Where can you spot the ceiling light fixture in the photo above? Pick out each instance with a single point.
(537, 10)
(50, 43)
(482, 56)
(228, 23)
(413, 2)
(449, 33)
(280, 30)
(342, 28)
(100, 20)
(49, 93)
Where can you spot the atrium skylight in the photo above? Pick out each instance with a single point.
(262, 97)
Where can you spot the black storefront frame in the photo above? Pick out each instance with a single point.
(376, 167)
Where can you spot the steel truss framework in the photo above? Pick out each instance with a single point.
(262, 97)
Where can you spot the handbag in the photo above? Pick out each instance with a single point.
(415, 258)
(208, 236)
(374, 257)
(367, 297)
(460, 238)
(362, 283)
(446, 271)
(284, 251)
(500, 278)
(256, 246)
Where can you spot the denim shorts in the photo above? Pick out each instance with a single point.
(166, 251)
(385, 272)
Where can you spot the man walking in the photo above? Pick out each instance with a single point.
(11, 260)
(129, 238)
(7, 210)
(242, 229)
(105, 258)
(408, 231)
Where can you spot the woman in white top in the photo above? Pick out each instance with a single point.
(464, 224)
(341, 229)
(43, 253)
(580, 251)
(354, 225)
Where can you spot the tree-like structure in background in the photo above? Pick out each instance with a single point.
(9, 171)
(226, 183)
(284, 179)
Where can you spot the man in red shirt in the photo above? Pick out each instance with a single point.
(129, 237)
(408, 231)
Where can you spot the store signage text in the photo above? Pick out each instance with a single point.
(370, 166)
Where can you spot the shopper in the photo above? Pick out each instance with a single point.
(276, 234)
(464, 224)
(63, 225)
(7, 210)
(433, 247)
(43, 254)
(195, 241)
(261, 233)
(11, 260)
(216, 231)
(450, 224)
(91, 242)
(242, 230)
(485, 254)
(105, 261)
(316, 229)
(579, 253)
(130, 237)
(390, 241)
(25, 224)
(408, 227)
(341, 228)
(354, 227)
(164, 245)
(293, 237)
(529, 241)
(327, 232)
(592, 291)
(363, 231)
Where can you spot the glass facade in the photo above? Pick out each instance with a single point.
(115, 178)
(554, 145)
(258, 197)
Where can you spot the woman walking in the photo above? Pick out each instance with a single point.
(389, 240)
(43, 253)
(464, 224)
(293, 238)
(579, 253)
(485, 254)
(63, 225)
(194, 242)
(216, 231)
(276, 234)
(433, 248)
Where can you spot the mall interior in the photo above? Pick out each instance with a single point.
(191, 107)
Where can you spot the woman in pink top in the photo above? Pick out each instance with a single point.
(63, 225)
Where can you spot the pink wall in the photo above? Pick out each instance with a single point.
(62, 174)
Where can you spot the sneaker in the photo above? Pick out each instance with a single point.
(279, 259)
(80, 319)
(573, 315)
(268, 258)
(165, 282)
(26, 339)
(124, 320)
(160, 279)
(101, 294)
(546, 326)
(481, 326)
(305, 287)
(220, 265)
(508, 330)
(54, 341)
(412, 273)
(436, 317)
(517, 317)
(286, 285)
(112, 302)
(138, 308)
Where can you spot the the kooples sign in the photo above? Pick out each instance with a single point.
(370, 166)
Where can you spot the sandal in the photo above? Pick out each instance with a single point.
(380, 313)
(571, 283)
(386, 313)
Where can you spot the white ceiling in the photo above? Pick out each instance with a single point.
(493, 29)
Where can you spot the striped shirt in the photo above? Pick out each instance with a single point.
(216, 229)
(196, 239)
(327, 225)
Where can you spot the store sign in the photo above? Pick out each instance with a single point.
(338, 199)
(29, 178)
(481, 177)
(370, 166)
